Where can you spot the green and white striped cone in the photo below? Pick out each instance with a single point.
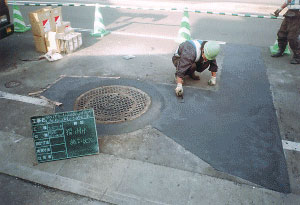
(184, 32)
(274, 49)
(19, 23)
(99, 28)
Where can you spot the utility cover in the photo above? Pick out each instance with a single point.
(113, 104)
(65, 135)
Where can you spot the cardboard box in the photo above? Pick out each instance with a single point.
(75, 42)
(66, 43)
(69, 42)
(52, 42)
(41, 21)
(40, 44)
(69, 30)
(63, 36)
(66, 24)
(69, 47)
(65, 27)
(56, 16)
(79, 36)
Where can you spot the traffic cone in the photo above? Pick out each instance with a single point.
(274, 49)
(99, 28)
(19, 23)
(184, 32)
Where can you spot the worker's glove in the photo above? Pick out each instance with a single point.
(212, 81)
(179, 90)
(276, 13)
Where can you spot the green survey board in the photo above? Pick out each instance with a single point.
(65, 135)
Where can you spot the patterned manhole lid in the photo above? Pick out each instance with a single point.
(12, 84)
(114, 104)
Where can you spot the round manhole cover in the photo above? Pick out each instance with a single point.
(12, 84)
(114, 104)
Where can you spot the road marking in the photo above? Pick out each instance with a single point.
(295, 146)
(26, 99)
(83, 29)
(129, 34)
(140, 35)
(154, 36)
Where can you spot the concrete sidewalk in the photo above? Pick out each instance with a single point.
(124, 181)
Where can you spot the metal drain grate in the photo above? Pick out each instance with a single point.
(12, 84)
(114, 104)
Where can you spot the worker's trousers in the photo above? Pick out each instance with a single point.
(289, 32)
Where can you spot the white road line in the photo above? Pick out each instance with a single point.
(25, 99)
(138, 35)
(84, 29)
(295, 146)
(129, 34)
(159, 37)
(143, 35)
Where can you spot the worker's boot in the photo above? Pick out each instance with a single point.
(295, 61)
(192, 74)
(278, 54)
(281, 47)
(295, 46)
(296, 57)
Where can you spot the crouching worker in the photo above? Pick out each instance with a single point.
(195, 55)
